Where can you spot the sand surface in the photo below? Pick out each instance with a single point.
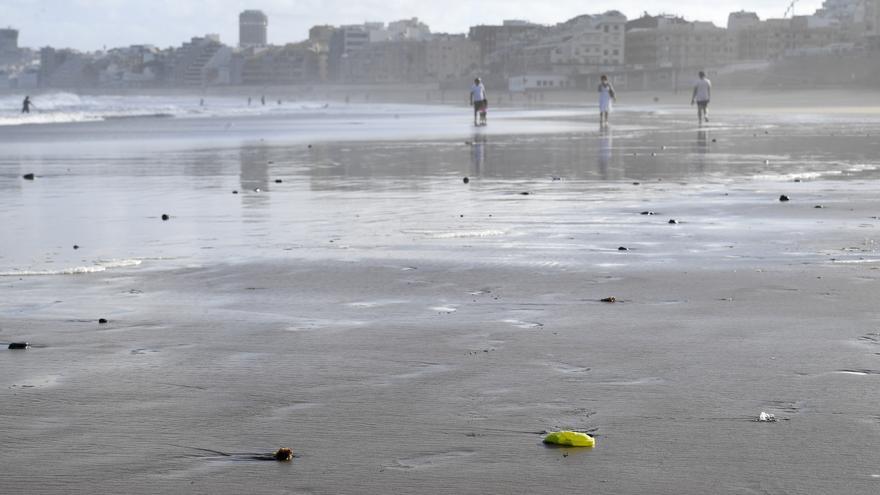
(405, 332)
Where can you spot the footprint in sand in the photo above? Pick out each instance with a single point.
(432, 460)
(568, 368)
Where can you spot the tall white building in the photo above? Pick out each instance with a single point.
(252, 29)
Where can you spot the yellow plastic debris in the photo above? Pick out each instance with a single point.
(570, 439)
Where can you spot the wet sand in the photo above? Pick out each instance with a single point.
(405, 332)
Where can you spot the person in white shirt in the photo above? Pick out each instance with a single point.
(702, 95)
(479, 99)
(606, 96)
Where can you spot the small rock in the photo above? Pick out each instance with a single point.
(608, 300)
(465, 180)
(165, 217)
(278, 181)
(525, 193)
(75, 246)
(28, 176)
(555, 178)
(283, 455)
(622, 248)
(653, 154)
(637, 183)
(102, 321)
(797, 180)
(234, 192)
(257, 189)
(310, 146)
(714, 140)
(673, 221)
(783, 198)
(818, 207)
(19, 345)
(648, 213)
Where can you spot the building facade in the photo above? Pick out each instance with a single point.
(450, 57)
(252, 29)
(668, 41)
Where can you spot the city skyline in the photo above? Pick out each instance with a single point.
(163, 23)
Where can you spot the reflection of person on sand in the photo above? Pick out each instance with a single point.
(606, 96)
(478, 154)
(605, 152)
(479, 100)
(702, 95)
(26, 105)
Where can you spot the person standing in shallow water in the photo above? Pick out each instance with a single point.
(26, 105)
(702, 95)
(606, 96)
(478, 98)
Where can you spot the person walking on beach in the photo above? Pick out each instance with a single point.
(606, 96)
(26, 105)
(701, 96)
(478, 99)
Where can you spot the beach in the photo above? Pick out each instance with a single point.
(327, 281)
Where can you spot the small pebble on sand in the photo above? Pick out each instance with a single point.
(783, 198)
(465, 180)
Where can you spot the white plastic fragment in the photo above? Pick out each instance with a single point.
(766, 417)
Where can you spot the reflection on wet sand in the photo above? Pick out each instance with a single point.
(254, 175)
(702, 148)
(478, 153)
(606, 146)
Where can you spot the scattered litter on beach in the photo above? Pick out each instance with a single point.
(623, 248)
(673, 221)
(28, 176)
(609, 300)
(102, 321)
(570, 439)
(19, 345)
(783, 198)
(765, 417)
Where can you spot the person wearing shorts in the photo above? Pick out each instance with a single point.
(479, 99)
(701, 96)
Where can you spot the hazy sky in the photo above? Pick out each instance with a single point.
(92, 24)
